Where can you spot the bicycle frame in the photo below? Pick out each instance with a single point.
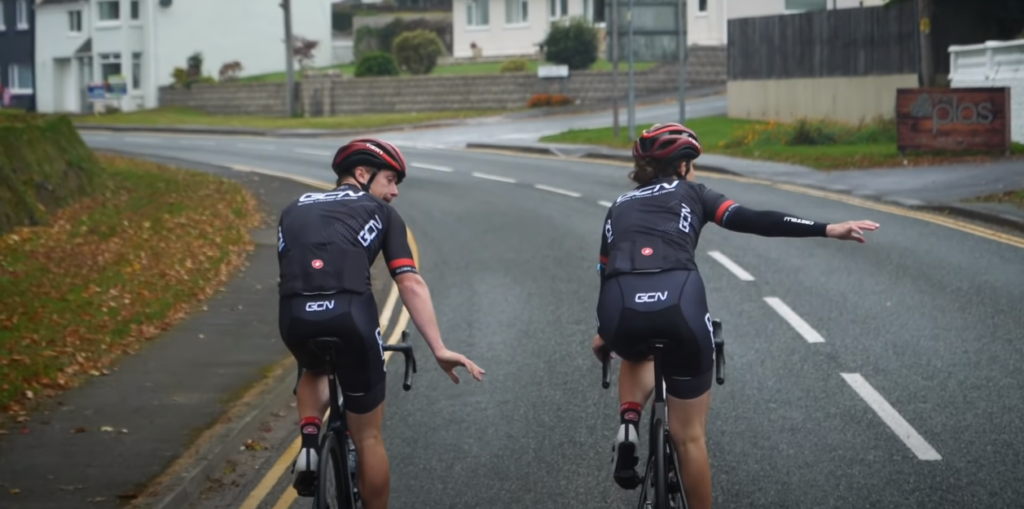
(661, 450)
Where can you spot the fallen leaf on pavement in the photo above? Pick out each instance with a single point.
(97, 499)
(106, 429)
(253, 445)
(14, 491)
(4, 432)
(80, 429)
(123, 431)
(72, 488)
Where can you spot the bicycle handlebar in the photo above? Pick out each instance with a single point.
(405, 349)
(605, 372)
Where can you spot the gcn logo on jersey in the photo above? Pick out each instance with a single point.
(370, 231)
(318, 264)
(647, 251)
(644, 192)
(650, 297)
(319, 306)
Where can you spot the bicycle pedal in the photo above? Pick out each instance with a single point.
(305, 483)
(630, 481)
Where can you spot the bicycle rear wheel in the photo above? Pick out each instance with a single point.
(334, 489)
(660, 472)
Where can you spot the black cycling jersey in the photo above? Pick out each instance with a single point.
(656, 227)
(327, 242)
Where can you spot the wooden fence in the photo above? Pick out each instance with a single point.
(844, 42)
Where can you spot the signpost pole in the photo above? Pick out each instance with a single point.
(682, 61)
(615, 68)
(631, 101)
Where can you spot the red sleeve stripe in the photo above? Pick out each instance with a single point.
(401, 262)
(604, 259)
(721, 211)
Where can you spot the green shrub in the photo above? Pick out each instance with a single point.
(377, 63)
(573, 43)
(417, 51)
(514, 65)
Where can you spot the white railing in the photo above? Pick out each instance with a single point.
(992, 64)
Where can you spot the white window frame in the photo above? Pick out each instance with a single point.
(702, 3)
(99, 13)
(110, 58)
(21, 8)
(14, 84)
(3, 25)
(590, 13)
(558, 9)
(517, 13)
(135, 11)
(75, 18)
(478, 13)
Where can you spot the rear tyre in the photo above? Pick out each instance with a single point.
(660, 473)
(333, 486)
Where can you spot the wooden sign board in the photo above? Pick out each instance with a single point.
(953, 119)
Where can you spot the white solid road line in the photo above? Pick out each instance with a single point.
(257, 147)
(731, 265)
(138, 139)
(794, 319)
(493, 177)
(896, 422)
(430, 167)
(314, 152)
(557, 190)
(197, 142)
(604, 203)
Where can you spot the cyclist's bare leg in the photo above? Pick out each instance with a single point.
(312, 396)
(686, 424)
(374, 473)
(636, 381)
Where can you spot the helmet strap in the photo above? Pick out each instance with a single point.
(366, 187)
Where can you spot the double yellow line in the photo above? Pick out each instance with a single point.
(281, 465)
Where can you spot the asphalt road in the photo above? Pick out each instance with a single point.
(897, 384)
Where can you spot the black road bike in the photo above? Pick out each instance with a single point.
(662, 472)
(337, 485)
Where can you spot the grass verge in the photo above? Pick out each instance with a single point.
(179, 116)
(817, 144)
(111, 271)
(1015, 198)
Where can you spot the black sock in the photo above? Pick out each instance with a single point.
(309, 429)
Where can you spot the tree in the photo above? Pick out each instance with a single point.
(302, 50)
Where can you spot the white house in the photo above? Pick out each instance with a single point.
(85, 41)
(515, 27)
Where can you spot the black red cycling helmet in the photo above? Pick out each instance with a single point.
(370, 152)
(670, 142)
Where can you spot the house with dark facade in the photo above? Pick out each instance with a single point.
(17, 54)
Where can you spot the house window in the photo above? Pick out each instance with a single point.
(136, 71)
(110, 65)
(806, 5)
(702, 6)
(75, 22)
(135, 9)
(476, 13)
(110, 10)
(21, 14)
(594, 10)
(19, 78)
(517, 12)
(559, 8)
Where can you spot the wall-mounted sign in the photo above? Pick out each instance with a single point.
(953, 119)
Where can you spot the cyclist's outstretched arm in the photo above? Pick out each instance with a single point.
(770, 223)
(416, 298)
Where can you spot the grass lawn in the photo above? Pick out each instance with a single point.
(186, 116)
(817, 144)
(113, 270)
(463, 69)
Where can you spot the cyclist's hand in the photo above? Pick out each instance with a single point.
(449, 360)
(600, 349)
(850, 230)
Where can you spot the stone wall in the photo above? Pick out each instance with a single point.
(322, 96)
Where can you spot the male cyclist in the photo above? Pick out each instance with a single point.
(327, 242)
(651, 289)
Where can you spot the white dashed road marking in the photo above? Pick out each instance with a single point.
(604, 203)
(794, 319)
(890, 416)
(557, 190)
(731, 265)
(430, 167)
(137, 139)
(257, 147)
(197, 142)
(493, 177)
(311, 152)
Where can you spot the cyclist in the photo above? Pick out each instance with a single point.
(651, 289)
(327, 242)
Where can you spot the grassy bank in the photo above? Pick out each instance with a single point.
(1015, 198)
(112, 270)
(177, 116)
(817, 144)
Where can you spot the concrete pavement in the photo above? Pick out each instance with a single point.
(857, 375)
